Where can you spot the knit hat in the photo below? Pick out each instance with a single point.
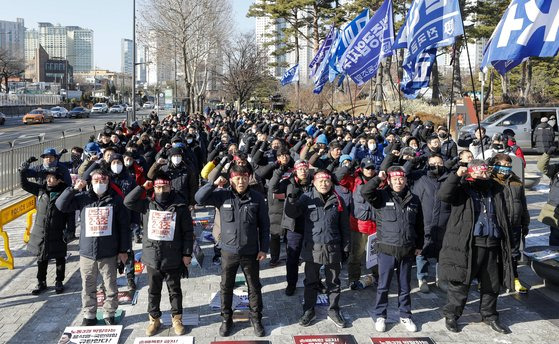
(344, 158)
(322, 139)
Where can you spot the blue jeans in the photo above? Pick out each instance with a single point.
(422, 264)
(386, 265)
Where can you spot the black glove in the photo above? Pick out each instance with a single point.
(525, 230)
(184, 273)
(551, 150)
(120, 268)
(31, 160)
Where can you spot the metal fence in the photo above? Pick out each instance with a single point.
(11, 159)
(28, 99)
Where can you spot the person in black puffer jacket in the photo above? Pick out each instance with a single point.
(165, 253)
(47, 238)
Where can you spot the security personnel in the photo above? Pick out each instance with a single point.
(168, 252)
(325, 242)
(476, 243)
(399, 239)
(245, 240)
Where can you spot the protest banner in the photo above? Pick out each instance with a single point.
(91, 334)
(325, 339)
(396, 340)
(161, 225)
(98, 221)
(164, 340)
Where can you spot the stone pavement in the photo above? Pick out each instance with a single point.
(532, 318)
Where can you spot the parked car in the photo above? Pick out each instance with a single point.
(38, 116)
(148, 105)
(520, 120)
(129, 107)
(79, 112)
(59, 111)
(100, 107)
(116, 109)
(2, 118)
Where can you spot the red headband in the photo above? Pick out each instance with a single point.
(161, 182)
(238, 174)
(322, 175)
(301, 164)
(480, 168)
(397, 174)
(98, 176)
(237, 158)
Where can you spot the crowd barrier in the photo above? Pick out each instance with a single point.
(7, 215)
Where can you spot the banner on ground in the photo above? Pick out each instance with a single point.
(91, 334)
(291, 75)
(164, 340)
(409, 340)
(325, 339)
(429, 24)
(362, 58)
(527, 28)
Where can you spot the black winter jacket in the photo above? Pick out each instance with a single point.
(101, 246)
(245, 225)
(184, 179)
(47, 237)
(455, 258)
(159, 254)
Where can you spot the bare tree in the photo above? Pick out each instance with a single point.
(9, 66)
(197, 29)
(244, 68)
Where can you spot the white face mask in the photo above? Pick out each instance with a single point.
(116, 168)
(372, 147)
(189, 141)
(176, 159)
(99, 189)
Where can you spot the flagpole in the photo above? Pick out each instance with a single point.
(350, 98)
(473, 85)
(449, 119)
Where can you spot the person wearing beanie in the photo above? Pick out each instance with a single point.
(544, 136)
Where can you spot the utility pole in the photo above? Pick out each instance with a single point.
(134, 60)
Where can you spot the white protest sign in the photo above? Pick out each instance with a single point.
(161, 225)
(98, 221)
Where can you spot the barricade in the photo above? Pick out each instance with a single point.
(7, 215)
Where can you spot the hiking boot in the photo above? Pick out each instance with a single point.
(258, 328)
(337, 318)
(380, 324)
(451, 325)
(424, 287)
(226, 327)
(496, 326)
(408, 324)
(177, 325)
(110, 320)
(290, 290)
(89, 322)
(354, 285)
(519, 287)
(41, 287)
(154, 325)
(274, 262)
(307, 318)
(59, 287)
(138, 239)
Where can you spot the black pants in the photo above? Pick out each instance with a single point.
(312, 284)
(516, 240)
(486, 268)
(386, 266)
(155, 281)
(294, 243)
(553, 236)
(42, 269)
(230, 263)
(275, 247)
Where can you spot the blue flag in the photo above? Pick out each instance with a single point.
(345, 37)
(323, 51)
(417, 75)
(291, 75)
(362, 58)
(527, 28)
(429, 24)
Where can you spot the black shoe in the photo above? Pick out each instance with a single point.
(496, 326)
(89, 322)
(110, 321)
(59, 287)
(451, 325)
(307, 318)
(225, 328)
(290, 290)
(258, 328)
(274, 262)
(353, 285)
(337, 318)
(138, 239)
(41, 287)
(131, 284)
(71, 237)
(322, 288)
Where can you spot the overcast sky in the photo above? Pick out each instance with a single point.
(111, 20)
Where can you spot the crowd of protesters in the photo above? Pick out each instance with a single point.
(318, 184)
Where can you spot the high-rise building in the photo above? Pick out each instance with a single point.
(141, 68)
(62, 42)
(159, 67)
(12, 37)
(126, 56)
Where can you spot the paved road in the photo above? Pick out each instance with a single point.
(30, 319)
(28, 134)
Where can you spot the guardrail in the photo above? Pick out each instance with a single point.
(11, 159)
(28, 99)
(7, 215)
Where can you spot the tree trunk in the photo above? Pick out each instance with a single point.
(505, 88)
(528, 87)
(298, 85)
(316, 28)
(492, 88)
(457, 72)
(522, 100)
(378, 88)
(435, 84)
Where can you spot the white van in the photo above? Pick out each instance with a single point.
(520, 120)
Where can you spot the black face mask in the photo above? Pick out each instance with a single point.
(76, 157)
(497, 146)
(162, 197)
(443, 136)
(482, 184)
(436, 170)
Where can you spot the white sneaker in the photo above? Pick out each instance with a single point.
(380, 324)
(424, 287)
(408, 323)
